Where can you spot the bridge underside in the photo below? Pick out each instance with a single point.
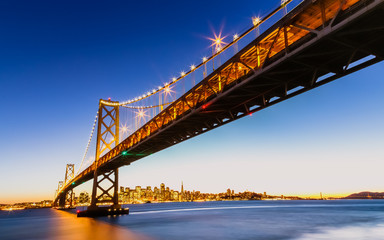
(282, 78)
(351, 41)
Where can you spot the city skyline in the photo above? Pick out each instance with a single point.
(162, 193)
(326, 140)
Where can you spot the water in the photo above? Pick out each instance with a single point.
(296, 220)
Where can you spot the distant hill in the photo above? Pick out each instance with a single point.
(366, 195)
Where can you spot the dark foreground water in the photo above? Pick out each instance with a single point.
(342, 219)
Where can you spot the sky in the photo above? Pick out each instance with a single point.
(58, 58)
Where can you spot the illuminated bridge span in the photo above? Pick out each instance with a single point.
(291, 50)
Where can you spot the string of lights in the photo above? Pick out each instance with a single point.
(89, 143)
(146, 107)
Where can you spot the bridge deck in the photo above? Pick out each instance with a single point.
(314, 44)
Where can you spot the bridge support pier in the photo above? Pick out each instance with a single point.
(106, 184)
(61, 203)
(69, 196)
(108, 187)
(69, 199)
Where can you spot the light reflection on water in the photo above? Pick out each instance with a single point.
(58, 225)
(301, 220)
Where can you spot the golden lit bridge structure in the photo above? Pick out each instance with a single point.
(293, 49)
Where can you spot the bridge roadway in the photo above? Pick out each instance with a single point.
(315, 43)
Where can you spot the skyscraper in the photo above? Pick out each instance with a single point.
(181, 196)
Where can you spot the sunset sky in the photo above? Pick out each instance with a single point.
(58, 58)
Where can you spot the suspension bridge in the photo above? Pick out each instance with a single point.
(295, 48)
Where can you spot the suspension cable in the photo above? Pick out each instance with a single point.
(89, 142)
(146, 107)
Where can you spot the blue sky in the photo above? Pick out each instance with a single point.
(58, 58)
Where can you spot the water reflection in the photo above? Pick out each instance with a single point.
(59, 225)
(68, 226)
(273, 220)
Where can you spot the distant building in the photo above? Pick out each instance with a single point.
(141, 195)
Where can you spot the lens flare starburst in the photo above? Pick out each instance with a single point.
(141, 115)
(218, 41)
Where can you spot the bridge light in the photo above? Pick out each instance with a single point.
(204, 59)
(193, 67)
(124, 153)
(217, 42)
(255, 21)
(235, 37)
(182, 73)
(124, 128)
(174, 79)
(73, 183)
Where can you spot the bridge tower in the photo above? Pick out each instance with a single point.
(69, 174)
(61, 200)
(107, 138)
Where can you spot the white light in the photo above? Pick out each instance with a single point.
(235, 37)
(148, 93)
(154, 90)
(174, 79)
(159, 87)
(193, 67)
(255, 21)
(204, 59)
(182, 73)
